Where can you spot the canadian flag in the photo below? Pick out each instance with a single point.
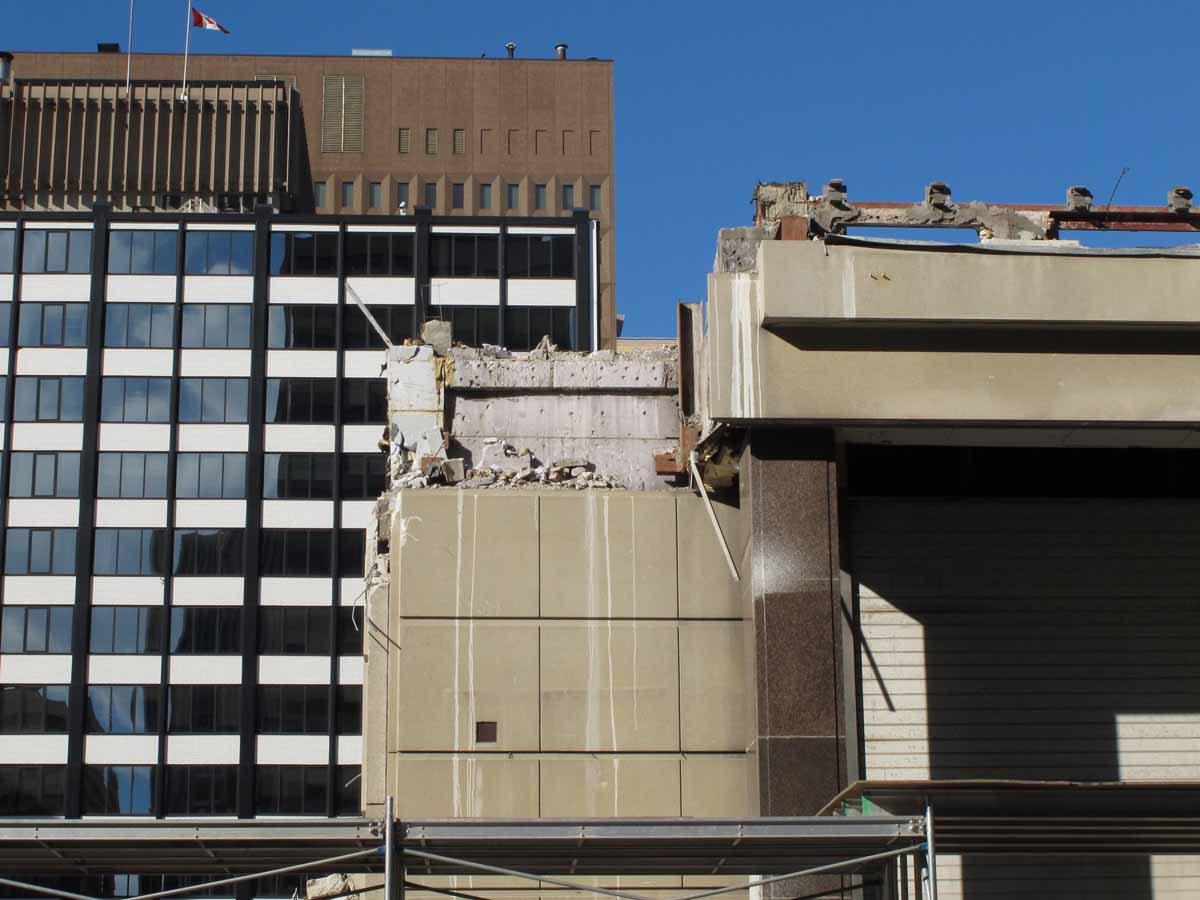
(200, 20)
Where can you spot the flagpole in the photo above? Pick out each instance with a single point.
(187, 40)
(129, 53)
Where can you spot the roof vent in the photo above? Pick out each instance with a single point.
(511, 48)
(108, 48)
(368, 52)
(561, 50)
(1079, 198)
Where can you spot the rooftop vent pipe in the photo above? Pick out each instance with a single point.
(561, 50)
(511, 48)
(5, 67)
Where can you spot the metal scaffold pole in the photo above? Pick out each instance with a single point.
(932, 853)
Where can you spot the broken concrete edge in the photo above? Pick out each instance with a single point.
(627, 389)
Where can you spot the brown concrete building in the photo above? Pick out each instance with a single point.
(363, 135)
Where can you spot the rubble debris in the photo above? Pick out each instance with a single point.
(438, 334)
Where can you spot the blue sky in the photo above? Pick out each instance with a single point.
(1005, 101)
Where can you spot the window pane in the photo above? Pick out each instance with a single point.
(239, 326)
(162, 325)
(196, 250)
(21, 475)
(216, 326)
(33, 254)
(142, 262)
(116, 321)
(139, 325)
(81, 251)
(166, 244)
(71, 403)
(193, 325)
(56, 251)
(75, 326)
(118, 252)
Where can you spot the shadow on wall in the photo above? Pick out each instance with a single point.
(1030, 639)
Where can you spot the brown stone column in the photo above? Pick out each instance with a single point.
(796, 587)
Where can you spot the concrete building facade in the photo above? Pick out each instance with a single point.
(353, 135)
(942, 559)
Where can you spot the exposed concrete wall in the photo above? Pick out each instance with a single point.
(614, 411)
(601, 632)
(787, 374)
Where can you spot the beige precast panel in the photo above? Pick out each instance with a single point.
(453, 675)
(608, 555)
(707, 589)
(609, 686)
(716, 701)
(471, 787)
(628, 786)
(719, 786)
(468, 553)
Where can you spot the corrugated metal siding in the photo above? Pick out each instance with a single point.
(1033, 639)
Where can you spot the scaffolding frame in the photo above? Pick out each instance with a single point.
(544, 851)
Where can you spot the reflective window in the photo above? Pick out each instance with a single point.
(142, 252)
(375, 195)
(594, 198)
(8, 244)
(364, 401)
(301, 327)
(294, 629)
(201, 790)
(53, 325)
(359, 334)
(525, 326)
(457, 195)
(298, 476)
(304, 253)
(135, 399)
(208, 551)
(33, 709)
(377, 253)
(48, 250)
(292, 790)
(213, 399)
(44, 398)
(118, 790)
(300, 400)
(139, 325)
(132, 475)
(349, 709)
(485, 196)
(32, 790)
(202, 708)
(297, 551)
(122, 709)
(349, 790)
(471, 325)
(512, 193)
(126, 629)
(350, 629)
(216, 325)
(431, 193)
(220, 253)
(539, 256)
(352, 547)
(5, 322)
(568, 197)
(364, 475)
(46, 474)
(293, 709)
(539, 196)
(464, 255)
(219, 476)
(206, 629)
(39, 551)
(131, 551)
(35, 629)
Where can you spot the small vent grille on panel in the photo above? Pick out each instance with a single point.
(342, 114)
(460, 140)
(404, 140)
